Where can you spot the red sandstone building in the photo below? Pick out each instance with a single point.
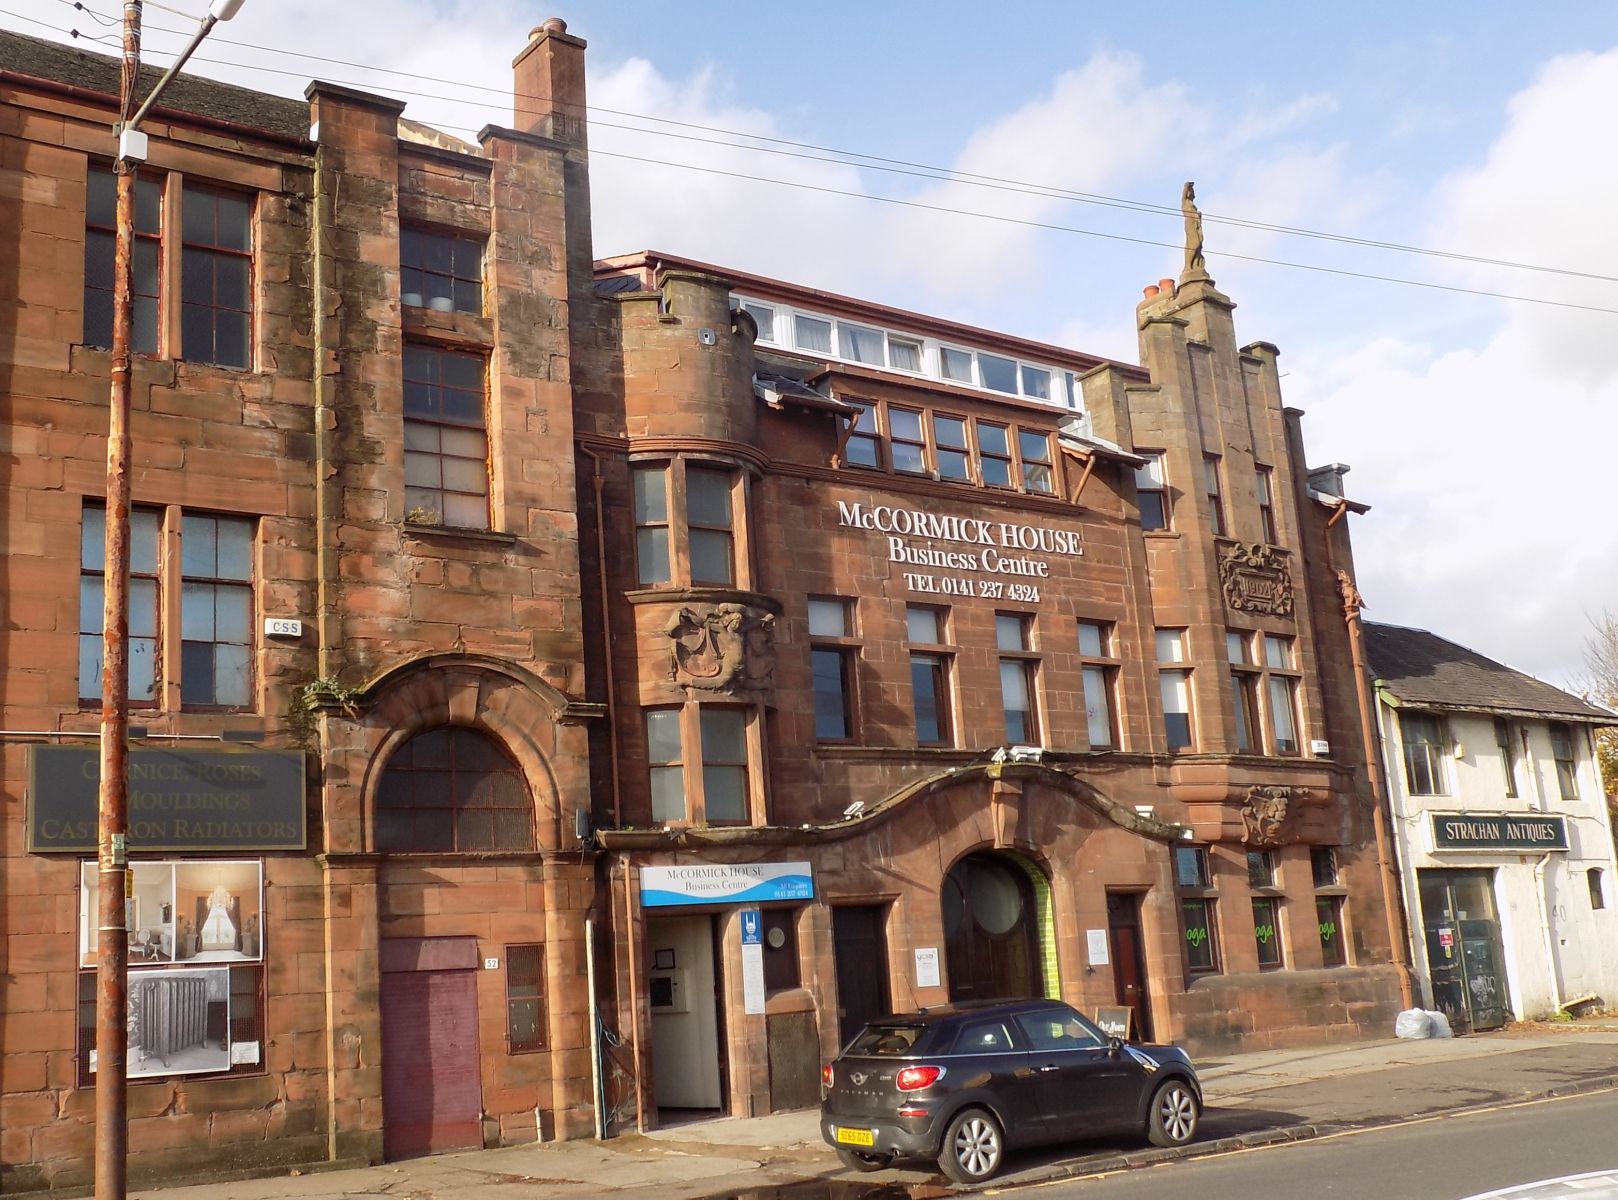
(857, 660)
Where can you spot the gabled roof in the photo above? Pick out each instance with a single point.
(186, 93)
(1423, 670)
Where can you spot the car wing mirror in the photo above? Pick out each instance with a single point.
(1114, 1045)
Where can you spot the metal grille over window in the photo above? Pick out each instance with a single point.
(453, 790)
(525, 997)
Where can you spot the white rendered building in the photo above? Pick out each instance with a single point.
(1504, 842)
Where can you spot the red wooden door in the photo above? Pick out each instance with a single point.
(1129, 959)
(432, 1097)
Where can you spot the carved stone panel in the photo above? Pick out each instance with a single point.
(1256, 579)
(1265, 811)
(723, 648)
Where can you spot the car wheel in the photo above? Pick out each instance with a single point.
(1173, 1117)
(854, 1160)
(973, 1146)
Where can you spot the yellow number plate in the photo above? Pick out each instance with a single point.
(856, 1137)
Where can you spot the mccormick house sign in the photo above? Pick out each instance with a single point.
(1498, 831)
(997, 560)
(178, 799)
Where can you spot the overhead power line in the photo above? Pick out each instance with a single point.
(879, 162)
(938, 174)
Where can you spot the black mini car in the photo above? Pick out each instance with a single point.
(963, 1082)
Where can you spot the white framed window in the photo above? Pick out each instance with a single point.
(913, 354)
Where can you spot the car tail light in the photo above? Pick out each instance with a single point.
(825, 1075)
(913, 1079)
(913, 1111)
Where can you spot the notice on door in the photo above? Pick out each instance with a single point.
(752, 961)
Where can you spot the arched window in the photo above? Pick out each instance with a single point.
(453, 789)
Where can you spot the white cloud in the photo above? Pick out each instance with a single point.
(1488, 467)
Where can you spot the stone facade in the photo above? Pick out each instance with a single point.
(675, 500)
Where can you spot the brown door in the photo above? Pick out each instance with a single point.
(862, 967)
(432, 1098)
(1129, 959)
(991, 930)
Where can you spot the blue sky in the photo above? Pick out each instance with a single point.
(1478, 428)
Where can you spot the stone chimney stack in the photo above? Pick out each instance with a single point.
(548, 85)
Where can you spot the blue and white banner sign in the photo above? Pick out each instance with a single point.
(725, 883)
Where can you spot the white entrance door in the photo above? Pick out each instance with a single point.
(685, 1019)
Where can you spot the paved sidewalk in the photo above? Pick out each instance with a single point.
(1269, 1096)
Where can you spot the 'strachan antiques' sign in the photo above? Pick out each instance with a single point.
(1499, 831)
(997, 561)
(178, 799)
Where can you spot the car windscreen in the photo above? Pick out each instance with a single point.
(886, 1040)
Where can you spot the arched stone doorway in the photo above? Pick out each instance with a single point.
(996, 911)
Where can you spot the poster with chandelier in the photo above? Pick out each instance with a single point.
(191, 912)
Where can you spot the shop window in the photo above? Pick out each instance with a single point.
(1424, 747)
(1505, 740)
(833, 653)
(931, 675)
(1567, 775)
(216, 277)
(100, 240)
(1216, 497)
(525, 997)
(230, 1011)
(1197, 898)
(1099, 663)
(651, 503)
(720, 791)
(1333, 939)
(781, 971)
(446, 441)
(1598, 896)
(1267, 931)
(1174, 686)
(1265, 484)
(1019, 676)
(1152, 492)
(216, 611)
(452, 789)
(440, 271)
(145, 526)
(710, 525)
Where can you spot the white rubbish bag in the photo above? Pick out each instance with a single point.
(1440, 1024)
(1414, 1023)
